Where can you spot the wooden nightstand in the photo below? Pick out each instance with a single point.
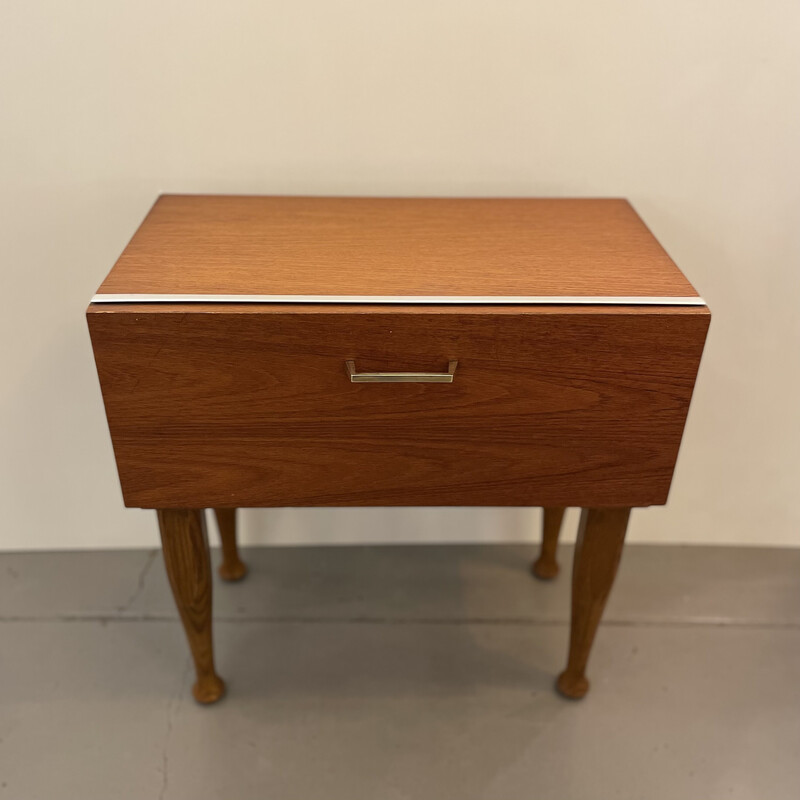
(290, 351)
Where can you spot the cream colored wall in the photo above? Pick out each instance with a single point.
(689, 109)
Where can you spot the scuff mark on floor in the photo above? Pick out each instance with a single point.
(151, 557)
(173, 709)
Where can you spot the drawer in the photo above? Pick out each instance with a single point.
(251, 405)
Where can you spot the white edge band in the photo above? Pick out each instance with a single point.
(404, 299)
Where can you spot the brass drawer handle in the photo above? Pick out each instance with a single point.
(401, 377)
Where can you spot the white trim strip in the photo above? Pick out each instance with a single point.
(403, 299)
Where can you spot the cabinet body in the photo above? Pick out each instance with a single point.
(313, 351)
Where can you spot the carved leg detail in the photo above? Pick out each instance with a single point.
(597, 554)
(232, 567)
(185, 547)
(546, 566)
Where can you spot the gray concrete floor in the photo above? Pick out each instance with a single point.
(402, 672)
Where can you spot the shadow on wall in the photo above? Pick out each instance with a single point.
(393, 525)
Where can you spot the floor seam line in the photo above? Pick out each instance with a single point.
(500, 622)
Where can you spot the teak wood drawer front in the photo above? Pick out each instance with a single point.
(245, 405)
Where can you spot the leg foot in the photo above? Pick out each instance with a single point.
(546, 566)
(601, 536)
(571, 687)
(185, 547)
(209, 689)
(232, 567)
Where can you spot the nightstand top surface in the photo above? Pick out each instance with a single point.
(351, 249)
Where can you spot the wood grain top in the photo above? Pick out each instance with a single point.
(377, 247)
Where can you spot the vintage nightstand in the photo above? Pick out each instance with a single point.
(308, 351)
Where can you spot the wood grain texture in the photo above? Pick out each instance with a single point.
(185, 546)
(546, 566)
(394, 246)
(235, 407)
(232, 567)
(598, 550)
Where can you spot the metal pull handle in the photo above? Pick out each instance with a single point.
(401, 377)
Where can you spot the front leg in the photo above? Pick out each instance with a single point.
(185, 547)
(598, 550)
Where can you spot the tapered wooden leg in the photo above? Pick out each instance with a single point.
(185, 547)
(546, 566)
(601, 536)
(232, 567)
